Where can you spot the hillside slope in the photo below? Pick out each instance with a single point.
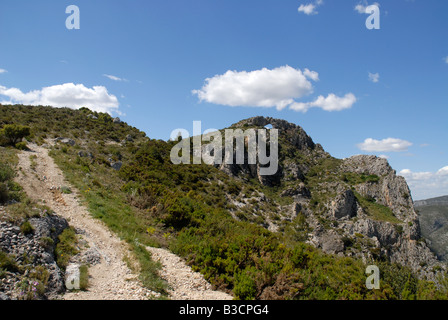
(433, 217)
(307, 232)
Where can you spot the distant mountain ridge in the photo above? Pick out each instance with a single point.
(433, 217)
(432, 202)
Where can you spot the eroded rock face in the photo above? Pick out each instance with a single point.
(344, 206)
(298, 193)
(391, 190)
(355, 207)
(293, 134)
(385, 232)
(398, 240)
(34, 249)
(332, 243)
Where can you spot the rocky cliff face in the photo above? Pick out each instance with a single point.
(33, 272)
(396, 237)
(353, 207)
(293, 139)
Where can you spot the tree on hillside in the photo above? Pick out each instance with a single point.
(14, 133)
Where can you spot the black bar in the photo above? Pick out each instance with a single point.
(167, 310)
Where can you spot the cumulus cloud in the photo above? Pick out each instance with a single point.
(385, 145)
(114, 78)
(313, 75)
(261, 88)
(362, 6)
(329, 103)
(278, 88)
(3, 71)
(310, 8)
(374, 77)
(443, 171)
(68, 95)
(426, 185)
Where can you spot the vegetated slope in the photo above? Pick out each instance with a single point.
(307, 232)
(433, 216)
(100, 250)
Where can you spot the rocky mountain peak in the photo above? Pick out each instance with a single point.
(368, 164)
(292, 132)
(356, 206)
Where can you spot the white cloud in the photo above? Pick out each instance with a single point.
(443, 171)
(310, 8)
(114, 78)
(330, 103)
(267, 88)
(374, 77)
(68, 95)
(426, 185)
(3, 71)
(385, 145)
(313, 75)
(446, 59)
(260, 88)
(362, 6)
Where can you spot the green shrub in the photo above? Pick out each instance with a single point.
(26, 228)
(6, 172)
(66, 247)
(14, 133)
(40, 276)
(245, 287)
(21, 145)
(7, 262)
(46, 242)
(83, 277)
(4, 194)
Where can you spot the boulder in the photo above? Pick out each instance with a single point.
(85, 154)
(116, 165)
(331, 243)
(68, 141)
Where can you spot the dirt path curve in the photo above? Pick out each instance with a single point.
(185, 283)
(110, 279)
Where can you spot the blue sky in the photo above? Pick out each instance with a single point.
(160, 65)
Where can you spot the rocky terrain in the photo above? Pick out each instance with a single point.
(33, 252)
(353, 207)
